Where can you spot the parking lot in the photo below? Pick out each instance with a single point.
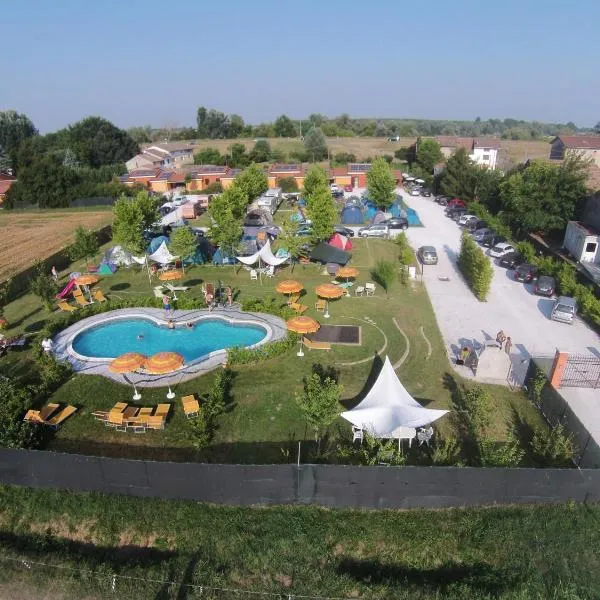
(511, 306)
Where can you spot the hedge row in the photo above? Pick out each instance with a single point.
(475, 267)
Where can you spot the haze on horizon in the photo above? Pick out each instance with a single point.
(139, 63)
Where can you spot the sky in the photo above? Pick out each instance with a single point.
(153, 62)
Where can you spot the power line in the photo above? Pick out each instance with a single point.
(114, 578)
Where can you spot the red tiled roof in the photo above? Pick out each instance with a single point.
(338, 171)
(5, 177)
(453, 141)
(286, 169)
(5, 185)
(580, 142)
(483, 142)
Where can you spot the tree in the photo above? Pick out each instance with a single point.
(253, 182)
(597, 127)
(142, 135)
(316, 119)
(459, 178)
(96, 142)
(319, 401)
(543, 197)
(14, 128)
(183, 242)
(384, 274)
(236, 126)
(290, 241)
(85, 244)
(238, 158)
(315, 177)
(226, 230)
(288, 185)
(429, 154)
(284, 127)
(6, 165)
(321, 210)
(261, 152)
(381, 184)
(212, 124)
(43, 286)
(208, 156)
(131, 217)
(342, 158)
(316, 144)
(14, 433)
(70, 159)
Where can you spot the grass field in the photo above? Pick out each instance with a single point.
(363, 147)
(36, 234)
(264, 423)
(522, 553)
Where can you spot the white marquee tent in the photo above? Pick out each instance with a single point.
(388, 408)
(162, 255)
(265, 255)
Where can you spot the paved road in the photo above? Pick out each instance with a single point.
(511, 306)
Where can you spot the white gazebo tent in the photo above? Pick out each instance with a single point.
(162, 256)
(263, 255)
(388, 410)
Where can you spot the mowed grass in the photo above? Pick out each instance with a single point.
(263, 423)
(528, 553)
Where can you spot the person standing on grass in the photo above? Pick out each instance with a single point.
(508, 345)
(54, 274)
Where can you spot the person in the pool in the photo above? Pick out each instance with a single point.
(171, 324)
(189, 325)
(140, 337)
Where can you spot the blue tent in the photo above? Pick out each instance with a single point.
(351, 215)
(197, 258)
(107, 269)
(156, 242)
(379, 217)
(370, 212)
(397, 210)
(220, 257)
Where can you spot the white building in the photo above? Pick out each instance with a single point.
(169, 155)
(482, 151)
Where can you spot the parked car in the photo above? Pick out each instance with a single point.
(479, 234)
(511, 260)
(526, 272)
(396, 223)
(334, 187)
(382, 231)
(456, 203)
(544, 286)
(473, 226)
(415, 192)
(500, 249)
(467, 218)
(304, 230)
(426, 193)
(450, 212)
(337, 193)
(348, 188)
(427, 255)
(564, 310)
(344, 230)
(442, 200)
(491, 239)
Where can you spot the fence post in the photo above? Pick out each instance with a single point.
(558, 368)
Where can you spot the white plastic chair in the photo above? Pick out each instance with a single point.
(370, 289)
(360, 290)
(253, 274)
(357, 434)
(270, 271)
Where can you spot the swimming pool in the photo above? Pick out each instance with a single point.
(117, 336)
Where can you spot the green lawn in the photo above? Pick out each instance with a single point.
(264, 423)
(527, 553)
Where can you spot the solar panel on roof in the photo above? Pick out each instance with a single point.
(282, 168)
(359, 167)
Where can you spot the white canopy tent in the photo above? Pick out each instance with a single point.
(162, 255)
(388, 408)
(265, 255)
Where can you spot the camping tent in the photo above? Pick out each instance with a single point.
(107, 268)
(370, 212)
(397, 210)
(325, 253)
(388, 407)
(351, 215)
(379, 217)
(162, 255)
(257, 217)
(221, 257)
(117, 255)
(263, 255)
(340, 241)
(156, 242)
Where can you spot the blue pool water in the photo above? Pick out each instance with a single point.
(111, 339)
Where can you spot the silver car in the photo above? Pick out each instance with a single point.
(382, 231)
(564, 310)
(427, 255)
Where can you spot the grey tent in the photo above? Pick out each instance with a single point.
(325, 253)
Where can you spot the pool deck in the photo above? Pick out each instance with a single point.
(276, 330)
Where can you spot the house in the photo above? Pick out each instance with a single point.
(355, 174)
(6, 182)
(171, 155)
(586, 145)
(482, 151)
(283, 171)
(201, 176)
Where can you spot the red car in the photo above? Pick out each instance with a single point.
(348, 188)
(456, 203)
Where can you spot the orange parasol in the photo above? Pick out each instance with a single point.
(289, 286)
(347, 272)
(329, 291)
(303, 325)
(163, 362)
(170, 275)
(87, 279)
(127, 363)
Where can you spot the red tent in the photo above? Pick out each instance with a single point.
(340, 241)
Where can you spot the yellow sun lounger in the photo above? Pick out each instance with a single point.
(299, 308)
(66, 307)
(316, 345)
(99, 296)
(162, 410)
(57, 420)
(81, 300)
(191, 406)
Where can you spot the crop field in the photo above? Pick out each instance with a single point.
(28, 236)
(363, 147)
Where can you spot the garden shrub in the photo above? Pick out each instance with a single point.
(268, 304)
(371, 452)
(553, 449)
(244, 356)
(446, 452)
(384, 274)
(16, 401)
(527, 251)
(506, 454)
(43, 286)
(475, 267)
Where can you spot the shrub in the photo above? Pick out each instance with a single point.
(384, 274)
(507, 454)
(43, 286)
(213, 188)
(475, 267)
(288, 185)
(372, 452)
(527, 251)
(446, 452)
(14, 433)
(319, 401)
(268, 304)
(244, 356)
(553, 449)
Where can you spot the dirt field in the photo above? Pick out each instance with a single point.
(27, 236)
(362, 147)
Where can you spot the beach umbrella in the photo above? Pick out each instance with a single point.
(170, 275)
(329, 292)
(303, 325)
(86, 281)
(128, 363)
(289, 286)
(162, 363)
(346, 273)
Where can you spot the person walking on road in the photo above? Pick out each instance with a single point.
(500, 338)
(508, 345)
